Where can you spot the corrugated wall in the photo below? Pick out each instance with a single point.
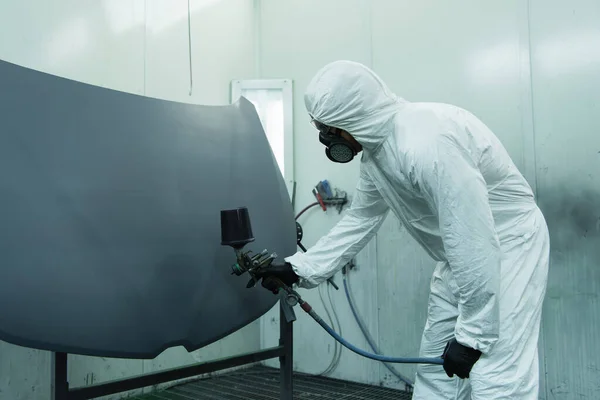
(565, 38)
(471, 53)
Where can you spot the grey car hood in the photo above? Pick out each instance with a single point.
(110, 217)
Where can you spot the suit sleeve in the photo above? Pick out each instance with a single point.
(457, 193)
(348, 237)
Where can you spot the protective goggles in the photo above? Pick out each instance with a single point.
(337, 148)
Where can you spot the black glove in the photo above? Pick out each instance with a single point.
(459, 359)
(276, 273)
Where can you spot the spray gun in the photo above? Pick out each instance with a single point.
(236, 231)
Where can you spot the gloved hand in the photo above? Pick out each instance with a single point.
(459, 359)
(277, 272)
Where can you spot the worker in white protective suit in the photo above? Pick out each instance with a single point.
(452, 184)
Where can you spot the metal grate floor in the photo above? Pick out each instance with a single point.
(262, 383)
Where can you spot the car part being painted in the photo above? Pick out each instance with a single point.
(244, 236)
(109, 220)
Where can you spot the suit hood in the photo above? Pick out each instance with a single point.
(350, 96)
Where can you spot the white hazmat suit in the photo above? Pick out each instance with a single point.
(452, 184)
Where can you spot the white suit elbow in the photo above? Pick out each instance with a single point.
(345, 239)
(336, 249)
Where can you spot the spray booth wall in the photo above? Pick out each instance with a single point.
(531, 71)
(142, 47)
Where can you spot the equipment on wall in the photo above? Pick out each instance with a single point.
(237, 232)
(324, 197)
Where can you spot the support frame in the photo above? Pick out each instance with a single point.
(62, 391)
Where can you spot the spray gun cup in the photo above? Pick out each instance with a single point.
(236, 229)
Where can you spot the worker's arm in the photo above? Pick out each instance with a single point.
(349, 236)
(457, 193)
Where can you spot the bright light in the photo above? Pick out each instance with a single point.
(269, 106)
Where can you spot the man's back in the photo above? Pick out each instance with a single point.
(510, 196)
(455, 188)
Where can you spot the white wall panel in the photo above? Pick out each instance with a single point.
(167, 68)
(297, 38)
(404, 273)
(466, 53)
(222, 39)
(565, 45)
(24, 373)
(97, 42)
(223, 48)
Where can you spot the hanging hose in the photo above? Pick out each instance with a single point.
(367, 335)
(305, 209)
(397, 360)
(339, 355)
(337, 351)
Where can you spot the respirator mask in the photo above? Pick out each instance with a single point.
(337, 148)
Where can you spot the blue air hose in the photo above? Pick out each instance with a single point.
(308, 309)
(396, 360)
(369, 338)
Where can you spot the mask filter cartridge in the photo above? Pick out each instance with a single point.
(337, 149)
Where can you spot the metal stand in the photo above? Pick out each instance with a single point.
(286, 341)
(60, 382)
